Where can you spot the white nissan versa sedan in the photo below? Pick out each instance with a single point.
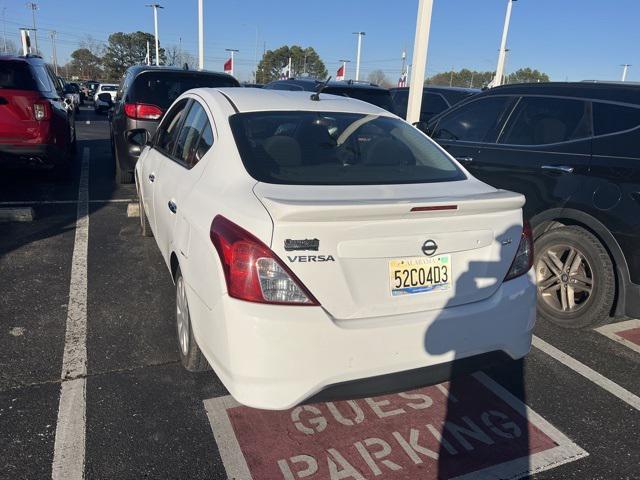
(319, 241)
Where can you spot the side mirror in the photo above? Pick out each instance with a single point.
(422, 126)
(139, 137)
(105, 97)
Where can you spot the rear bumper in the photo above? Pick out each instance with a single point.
(274, 357)
(32, 155)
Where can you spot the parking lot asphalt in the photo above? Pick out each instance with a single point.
(567, 415)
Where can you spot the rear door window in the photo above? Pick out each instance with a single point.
(190, 132)
(545, 120)
(474, 122)
(167, 135)
(610, 118)
(162, 88)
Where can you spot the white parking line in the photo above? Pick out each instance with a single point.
(590, 374)
(69, 448)
(612, 330)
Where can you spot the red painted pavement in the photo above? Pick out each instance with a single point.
(633, 335)
(392, 437)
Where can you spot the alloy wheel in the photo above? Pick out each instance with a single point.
(182, 316)
(565, 278)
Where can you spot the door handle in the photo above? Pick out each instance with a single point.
(558, 168)
(464, 159)
(152, 177)
(172, 206)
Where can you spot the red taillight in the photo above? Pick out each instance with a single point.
(252, 271)
(142, 111)
(523, 260)
(42, 110)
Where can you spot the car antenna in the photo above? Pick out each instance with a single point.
(321, 86)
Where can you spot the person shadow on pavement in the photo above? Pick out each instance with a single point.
(480, 431)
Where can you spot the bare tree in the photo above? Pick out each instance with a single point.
(96, 47)
(379, 78)
(177, 57)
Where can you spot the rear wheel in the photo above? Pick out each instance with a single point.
(122, 176)
(575, 277)
(190, 355)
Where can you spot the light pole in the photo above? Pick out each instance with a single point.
(155, 7)
(200, 35)
(34, 6)
(497, 80)
(232, 50)
(625, 68)
(420, 48)
(360, 35)
(53, 50)
(4, 30)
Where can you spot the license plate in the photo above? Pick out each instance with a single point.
(408, 276)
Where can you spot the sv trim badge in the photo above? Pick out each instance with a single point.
(429, 248)
(306, 244)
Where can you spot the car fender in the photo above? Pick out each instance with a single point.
(603, 234)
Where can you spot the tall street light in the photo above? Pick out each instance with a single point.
(497, 81)
(34, 6)
(625, 68)
(155, 7)
(200, 35)
(360, 35)
(420, 48)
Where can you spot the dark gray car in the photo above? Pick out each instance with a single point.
(144, 94)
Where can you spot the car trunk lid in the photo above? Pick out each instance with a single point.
(346, 242)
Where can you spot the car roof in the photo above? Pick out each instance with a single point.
(259, 99)
(616, 92)
(441, 87)
(310, 84)
(22, 58)
(138, 69)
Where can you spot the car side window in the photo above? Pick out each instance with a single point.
(189, 135)
(45, 84)
(433, 103)
(204, 144)
(168, 130)
(474, 121)
(545, 120)
(610, 118)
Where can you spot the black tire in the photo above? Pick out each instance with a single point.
(192, 359)
(596, 309)
(145, 228)
(122, 176)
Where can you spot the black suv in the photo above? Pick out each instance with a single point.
(143, 96)
(573, 150)
(365, 91)
(435, 99)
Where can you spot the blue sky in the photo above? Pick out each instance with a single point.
(568, 39)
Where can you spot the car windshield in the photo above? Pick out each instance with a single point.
(16, 75)
(378, 97)
(109, 88)
(315, 148)
(162, 88)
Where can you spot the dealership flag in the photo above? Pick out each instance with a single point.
(228, 66)
(402, 81)
(340, 74)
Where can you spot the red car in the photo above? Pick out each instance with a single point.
(37, 126)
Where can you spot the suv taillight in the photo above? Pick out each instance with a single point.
(252, 271)
(142, 111)
(523, 260)
(41, 110)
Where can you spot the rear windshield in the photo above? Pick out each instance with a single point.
(16, 75)
(162, 89)
(108, 88)
(315, 148)
(379, 98)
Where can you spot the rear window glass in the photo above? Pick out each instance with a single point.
(16, 75)
(608, 118)
(162, 89)
(315, 148)
(108, 88)
(432, 103)
(379, 98)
